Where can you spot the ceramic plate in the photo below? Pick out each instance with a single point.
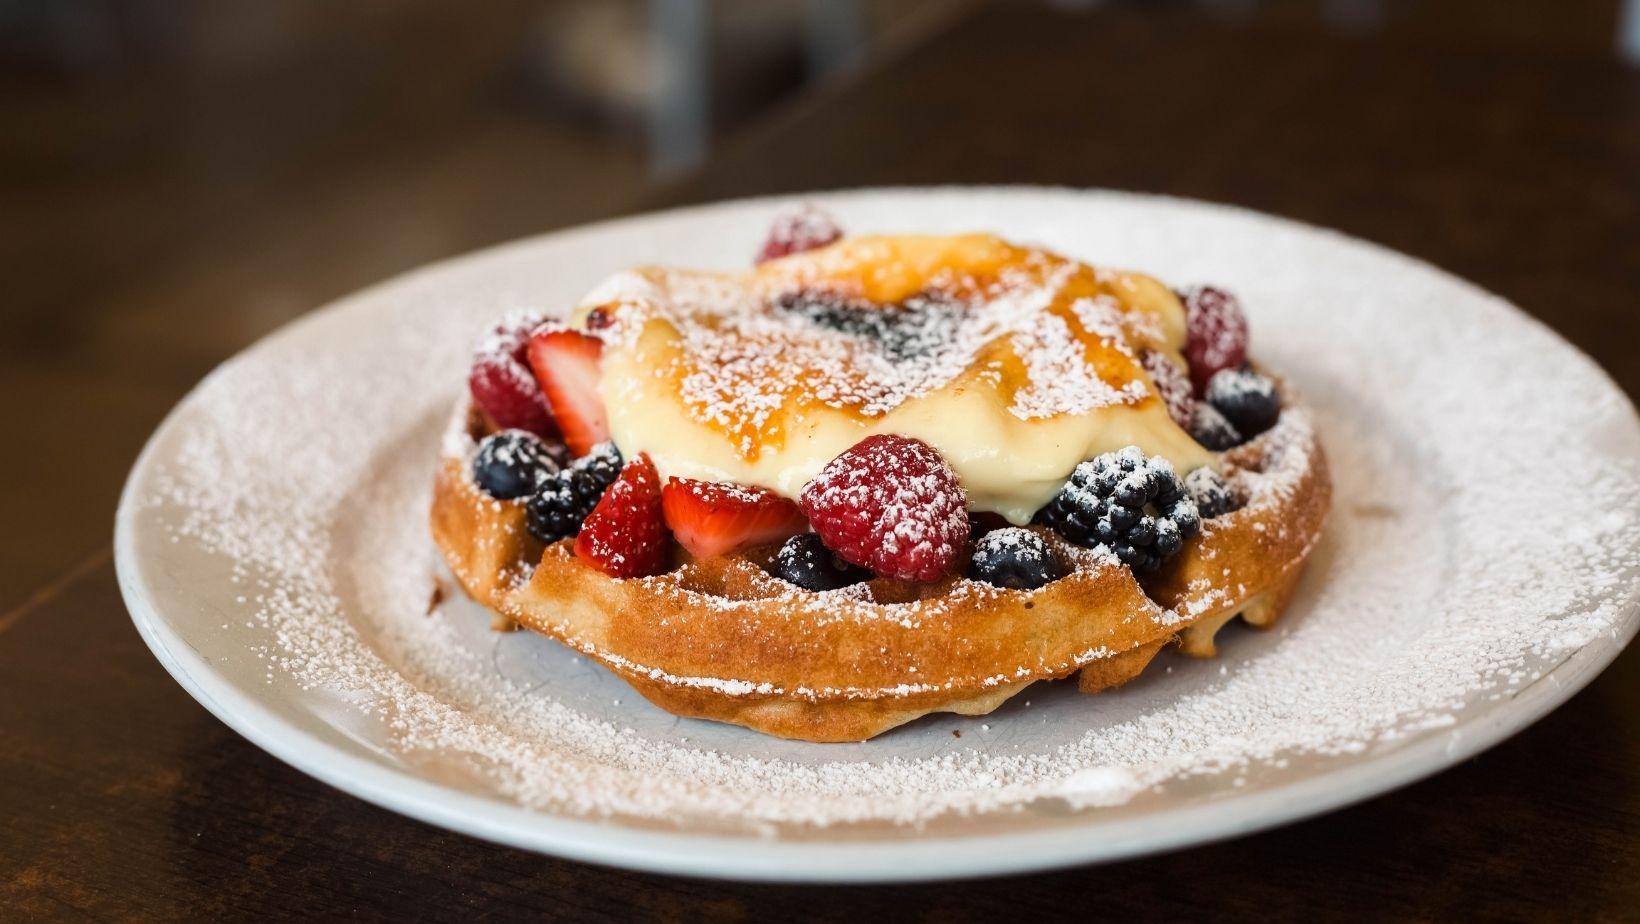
(1478, 568)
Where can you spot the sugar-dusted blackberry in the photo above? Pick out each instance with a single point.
(805, 561)
(1213, 496)
(1211, 429)
(1015, 558)
(514, 463)
(1248, 400)
(603, 461)
(1133, 506)
(564, 500)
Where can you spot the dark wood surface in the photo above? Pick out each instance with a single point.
(1512, 159)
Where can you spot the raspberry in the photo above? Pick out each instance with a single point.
(501, 381)
(891, 504)
(1216, 334)
(1172, 386)
(795, 230)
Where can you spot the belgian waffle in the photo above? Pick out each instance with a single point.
(722, 638)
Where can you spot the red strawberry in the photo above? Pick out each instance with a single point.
(500, 381)
(624, 536)
(890, 504)
(712, 517)
(805, 227)
(1172, 386)
(1216, 334)
(566, 364)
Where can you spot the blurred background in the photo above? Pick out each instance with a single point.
(178, 177)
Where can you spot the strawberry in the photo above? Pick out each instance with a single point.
(891, 504)
(500, 381)
(625, 535)
(712, 517)
(566, 364)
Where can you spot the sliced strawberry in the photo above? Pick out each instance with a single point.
(712, 517)
(566, 364)
(625, 535)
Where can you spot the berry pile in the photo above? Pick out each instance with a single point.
(890, 505)
(1133, 506)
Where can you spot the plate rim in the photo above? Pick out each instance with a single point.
(765, 858)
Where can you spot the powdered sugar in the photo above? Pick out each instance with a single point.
(297, 478)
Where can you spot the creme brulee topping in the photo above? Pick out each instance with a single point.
(1014, 363)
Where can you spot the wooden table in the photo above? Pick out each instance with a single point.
(1514, 163)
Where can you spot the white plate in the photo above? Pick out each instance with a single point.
(1479, 567)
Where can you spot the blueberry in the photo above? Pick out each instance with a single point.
(1015, 558)
(1246, 399)
(1214, 498)
(1211, 429)
(805, 561)
(512, 464)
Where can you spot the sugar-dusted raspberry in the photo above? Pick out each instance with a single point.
(1172, 386)
(795, 230)
(501, 380)
(1216, 334)
(891, 504)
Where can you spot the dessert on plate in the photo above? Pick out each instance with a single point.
(877, 477)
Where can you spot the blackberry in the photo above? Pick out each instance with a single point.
(1248, 400)
(1015, 558)
(564, 500)
(1133, 506)
(915, 327)
(1211, 429)
(514, 463)
(805, 561)
(1213, 497)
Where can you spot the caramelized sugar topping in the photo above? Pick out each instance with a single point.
(867, 325)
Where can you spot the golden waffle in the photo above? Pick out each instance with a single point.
(723, 639)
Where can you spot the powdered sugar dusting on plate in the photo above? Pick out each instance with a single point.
(303, 470)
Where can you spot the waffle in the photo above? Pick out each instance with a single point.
(722, 638)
